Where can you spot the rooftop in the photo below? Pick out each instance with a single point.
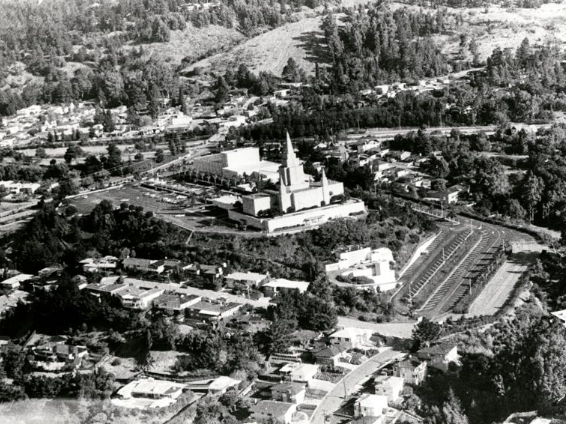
(289, 387)
(247, 276)
(273, 407)
(288, 284)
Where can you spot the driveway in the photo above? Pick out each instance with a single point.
(348, 384)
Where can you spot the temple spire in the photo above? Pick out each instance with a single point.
(290, 157)
(323, 179)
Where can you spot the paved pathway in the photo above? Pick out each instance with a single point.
(497, 291)
(334, 399)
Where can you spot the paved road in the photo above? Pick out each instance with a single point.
(402, 330)
(334, 399)
(497, 291)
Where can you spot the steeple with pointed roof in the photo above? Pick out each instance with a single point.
(290, 158)
(291, 172)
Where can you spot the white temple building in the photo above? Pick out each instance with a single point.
(298, 202)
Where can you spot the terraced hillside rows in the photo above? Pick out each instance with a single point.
(438, 261)
(455, 286)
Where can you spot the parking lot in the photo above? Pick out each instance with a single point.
(187, 211)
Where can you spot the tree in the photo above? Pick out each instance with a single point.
(532, 193)
(114, 158)
(279, 337)
(40, 153)
(425, 332)
(144, 360)
(222, 90)
(159, 156)
(72, 153)
(452, 412)
(290, 71)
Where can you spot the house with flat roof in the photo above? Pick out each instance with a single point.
(280, 284)
(136, 297)
(60, 352)
(218, 385)
(389, 386)
(107, 263)
(358, 338)
(210, 311)
(149, 393)
(142, 265)
(369, 405)
(249, 279)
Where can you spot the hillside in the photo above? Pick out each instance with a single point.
(303, 40)
(194, 43)
(497, 26)
(271, 50)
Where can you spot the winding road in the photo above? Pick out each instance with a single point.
(351, 382)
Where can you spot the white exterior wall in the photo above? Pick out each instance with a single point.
(354, 257)
(370, 406)
(391, 388)
(307, 198)
(254, 204)
(300, 219)
(239, 157)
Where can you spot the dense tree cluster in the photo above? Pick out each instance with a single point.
(51, 238)
(522, 369)
(378, 45)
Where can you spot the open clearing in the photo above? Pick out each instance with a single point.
(497, 26)
(271, 50)
(193, 43)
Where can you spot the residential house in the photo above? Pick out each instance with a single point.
(358, 338)
(142, 265)
(249, 279)
(412, 370)
(369, 405)
(107, 263)
(330, 355)
(289, 392)
(157, 393)
(389, 386)
(175, 302)
(440, 355)
(208, 271)
(60, 352)
(14, 282)
(299, 372)
(280, 284)
(136, 297)
(271, 411)
(217, 386)
(213, 311)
